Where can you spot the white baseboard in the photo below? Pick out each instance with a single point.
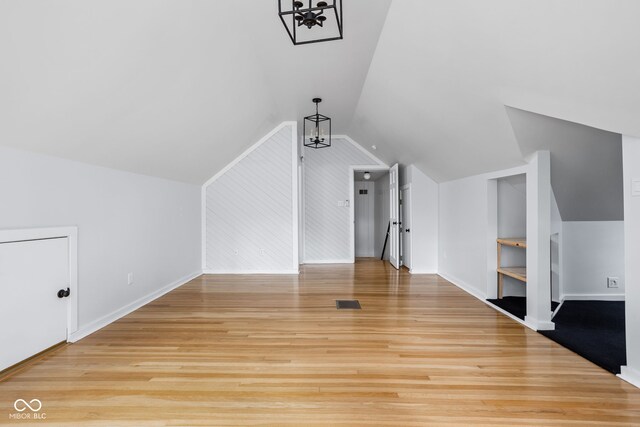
(468, 289)
(630, 375)
(129, 308)
(539, 325)
(328, 261)
(557, 309)
(592, 297)
(414, 271)
(462, 285)
(248, 272)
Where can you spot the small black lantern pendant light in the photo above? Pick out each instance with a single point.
(319, 129)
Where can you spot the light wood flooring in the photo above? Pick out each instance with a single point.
(273, 350)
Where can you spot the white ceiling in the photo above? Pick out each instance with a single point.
(375, 175)
(178, 88)
(170, 88)
(443, 71)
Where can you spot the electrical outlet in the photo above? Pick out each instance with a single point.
(130, 279)
(612, 282)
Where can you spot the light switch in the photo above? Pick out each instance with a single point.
(635, 187)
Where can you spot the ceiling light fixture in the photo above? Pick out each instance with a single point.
(367, 176)
(320, 16)
(319, 129)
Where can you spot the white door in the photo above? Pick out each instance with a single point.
(32, 316)
(363, 212)
(406, 227)
(394, 217)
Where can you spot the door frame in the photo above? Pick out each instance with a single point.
(409, 213)
(70, 233)
(352, 213)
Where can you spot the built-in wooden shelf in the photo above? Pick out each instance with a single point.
(518, 273)
(519, 242)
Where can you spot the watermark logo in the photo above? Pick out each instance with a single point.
(27, 410)
(21, 405)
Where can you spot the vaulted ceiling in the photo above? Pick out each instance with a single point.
(170, 88)
(178, 88)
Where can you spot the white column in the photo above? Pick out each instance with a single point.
(539, 242)
(631, 167)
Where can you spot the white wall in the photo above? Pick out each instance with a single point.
(381, 214)
(251, 211)
(126, 223)
(592, 251)
(631, 161)
(327, 180)
(424, 217)
(512, 222)
(467, 231)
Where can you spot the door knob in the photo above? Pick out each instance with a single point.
(63, 293)
(407, 230)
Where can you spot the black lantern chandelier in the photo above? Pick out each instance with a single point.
(319, 135)
(325, 19)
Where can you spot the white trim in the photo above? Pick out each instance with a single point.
(462, 285)
(328, 261)
(465, 287)
(71, 234)
(414, 271)
(592, 297)
(361, 148)
(203, 229)
(518, 170)
(538, 325)
(629, 375)
(250, 272)
(509, 315)
(228, 167)
(295, 209)
(129, 308)
(492, 235)
(557, 309)
(352, 212)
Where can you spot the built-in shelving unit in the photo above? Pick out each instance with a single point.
(518, 273)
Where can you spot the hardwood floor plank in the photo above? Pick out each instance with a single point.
(273, 350)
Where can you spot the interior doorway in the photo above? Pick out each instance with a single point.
(511, 245)
(364, 217)
(370, 211)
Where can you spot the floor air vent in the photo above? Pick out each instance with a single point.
(348, 304)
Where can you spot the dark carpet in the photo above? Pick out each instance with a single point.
(516, 305)
(594, 330)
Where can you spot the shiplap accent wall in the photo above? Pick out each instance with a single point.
(326, 182)
(250, 222)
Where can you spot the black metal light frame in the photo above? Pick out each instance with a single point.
(336, 5)
(316, 119)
